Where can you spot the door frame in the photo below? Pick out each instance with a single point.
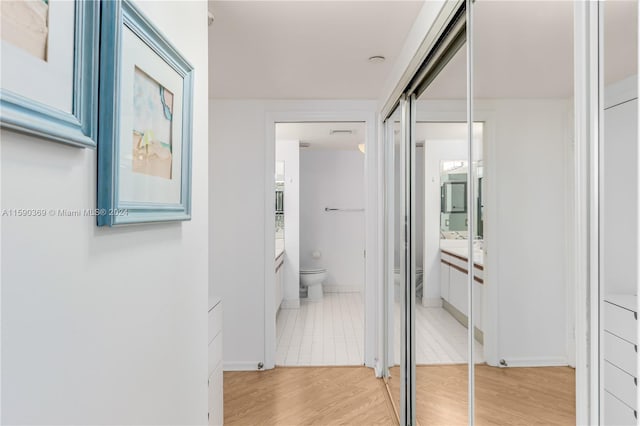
(372, 201)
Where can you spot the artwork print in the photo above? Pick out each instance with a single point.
(25, 24)
(152, 126)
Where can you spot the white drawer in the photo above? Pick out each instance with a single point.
(616, 413)
(215, 353)
(621, 322)
(621, 353)
(216, 400)
(620, 384)
(215, 321)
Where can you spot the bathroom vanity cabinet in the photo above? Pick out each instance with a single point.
(453, 287)
(279, 287)
(215, 405)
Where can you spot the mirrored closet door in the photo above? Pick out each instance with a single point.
(523, 94)
(619, 212)
(487, 258)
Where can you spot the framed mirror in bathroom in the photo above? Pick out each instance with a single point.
(454, 197)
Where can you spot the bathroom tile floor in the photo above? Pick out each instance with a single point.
(330, 332)
(440, 338)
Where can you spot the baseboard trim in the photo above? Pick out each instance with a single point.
(290, 304)
(537, 362)
(240, 366)
(463, 319)
(342, 288)
(432, 302)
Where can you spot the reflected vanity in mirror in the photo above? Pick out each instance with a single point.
(453, 200)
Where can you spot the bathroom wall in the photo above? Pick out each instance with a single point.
(333, 179)
(528, 227)
(105, 326)
(435, 151)
(620, 180)
(237, 246)
(289, 152)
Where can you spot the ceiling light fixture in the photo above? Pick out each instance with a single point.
(361, 147)
(377, 59)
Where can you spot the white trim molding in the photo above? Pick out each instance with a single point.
(290, 304)
(537, 362)
(586, 273)
(240, 366)
(337, 288)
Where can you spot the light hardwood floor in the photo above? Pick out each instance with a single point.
(306, 396)
(503, 396)
(353, 396)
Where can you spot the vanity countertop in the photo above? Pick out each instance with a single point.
(462, 251)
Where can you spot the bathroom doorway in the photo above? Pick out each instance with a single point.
(320, 243)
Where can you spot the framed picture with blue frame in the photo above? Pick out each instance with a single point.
(145, 112)
(49, 69)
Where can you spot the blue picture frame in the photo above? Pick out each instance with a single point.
(78, 127)
(113, 211)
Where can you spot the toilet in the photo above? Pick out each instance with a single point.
(312, 280)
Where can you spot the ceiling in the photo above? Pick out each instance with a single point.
(319, 137)
(319, 49)
(524, 49)
(305, 49)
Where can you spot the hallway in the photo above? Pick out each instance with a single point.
(353, 396)
(309, 396)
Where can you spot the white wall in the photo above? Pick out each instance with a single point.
(237, 226)
(435, 151)
(104, 326)
(528, 156)
(620, 182)
(238, 185)
(333, 179)
(289, 152)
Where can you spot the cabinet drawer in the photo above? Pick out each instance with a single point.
(215, 353)
(620, 384)
(621, 353)
(216, 400)
(215, 321)
(621, 322)
(616, 413)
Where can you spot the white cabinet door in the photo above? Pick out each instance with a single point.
(458, 290)
(477, 304)
(279, 287)
(444, 281)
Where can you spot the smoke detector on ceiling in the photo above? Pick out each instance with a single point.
(377, 59)
(340, 132)
(210, 17)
